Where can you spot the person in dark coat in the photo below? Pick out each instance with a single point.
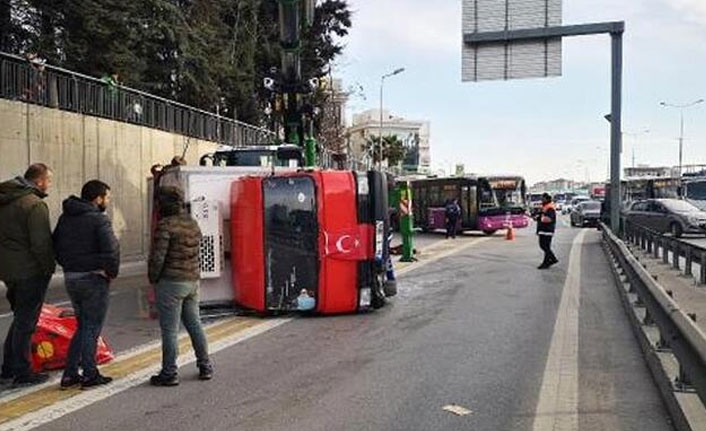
(453, 212)
(546, 227)
(89, 252)
(174, 270)
(26, 266)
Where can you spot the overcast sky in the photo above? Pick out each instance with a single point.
(542, 128)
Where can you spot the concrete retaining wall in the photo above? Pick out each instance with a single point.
(80, 148)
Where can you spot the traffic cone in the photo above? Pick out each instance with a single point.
(510, 236)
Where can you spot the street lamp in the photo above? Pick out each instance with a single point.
(382, 85)
(635, 136)
(681, 134)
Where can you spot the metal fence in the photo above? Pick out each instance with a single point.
(679, 253)
(678, 333)
(33, 82)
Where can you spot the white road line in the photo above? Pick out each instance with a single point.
(557, 408)
(62, 408)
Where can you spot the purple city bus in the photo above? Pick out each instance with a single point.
(488, 204)
(511, 195)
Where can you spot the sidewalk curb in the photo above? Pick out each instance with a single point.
(127, 270)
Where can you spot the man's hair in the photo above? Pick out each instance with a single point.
(547, 196)
(94, 189)
(36, 171)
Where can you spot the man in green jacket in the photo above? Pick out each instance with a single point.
(26, 265)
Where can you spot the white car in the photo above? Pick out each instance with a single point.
(569, 207)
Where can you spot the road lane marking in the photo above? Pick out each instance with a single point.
(50, 403)
(557, 408)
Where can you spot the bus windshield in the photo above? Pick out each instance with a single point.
(509, 192)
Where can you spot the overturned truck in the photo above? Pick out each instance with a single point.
(280, 238)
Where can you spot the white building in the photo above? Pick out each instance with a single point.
(414, 134)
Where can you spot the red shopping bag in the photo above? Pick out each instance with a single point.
(50, 342)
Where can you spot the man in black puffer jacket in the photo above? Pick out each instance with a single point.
(87, 249)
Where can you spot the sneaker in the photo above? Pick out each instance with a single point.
(98, 380)
(30, 380)
(70, 381)
(543, 266)
(162, 380)
(206, 373)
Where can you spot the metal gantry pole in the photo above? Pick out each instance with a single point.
(616, 131)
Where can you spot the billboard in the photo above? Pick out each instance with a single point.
(516, 59)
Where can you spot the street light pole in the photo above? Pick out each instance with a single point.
(681, 108)
(635, 136)
(382, 86)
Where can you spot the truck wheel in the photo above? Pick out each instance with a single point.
(676, 230)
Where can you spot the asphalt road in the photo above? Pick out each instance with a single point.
(479, 329)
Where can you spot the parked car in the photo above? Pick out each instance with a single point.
(586, 213)
(571, 204)
(673, 216)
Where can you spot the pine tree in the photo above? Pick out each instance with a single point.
(213, 54)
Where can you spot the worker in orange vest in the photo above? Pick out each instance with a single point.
(546, 226)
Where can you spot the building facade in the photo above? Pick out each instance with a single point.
(413, 134)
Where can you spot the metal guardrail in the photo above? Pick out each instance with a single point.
(678, 332)
(652, 242)
(54, 87)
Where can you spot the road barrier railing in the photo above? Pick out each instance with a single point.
(34, 82)
(678, 332)
(681, 254)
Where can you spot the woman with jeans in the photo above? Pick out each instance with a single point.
(174, 271)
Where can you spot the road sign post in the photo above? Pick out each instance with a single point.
(500, 44)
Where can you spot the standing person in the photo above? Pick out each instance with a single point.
(174, 270)
(546, 226)
(26, 265)
(453, 211)
(89, 252)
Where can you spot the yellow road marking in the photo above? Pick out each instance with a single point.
(119, 369)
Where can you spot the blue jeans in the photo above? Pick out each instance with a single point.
(89, 295)
(178, 301)
(26, 298)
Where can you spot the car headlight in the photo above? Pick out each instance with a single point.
(695, 221)
(379, 237)
(365, 297)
